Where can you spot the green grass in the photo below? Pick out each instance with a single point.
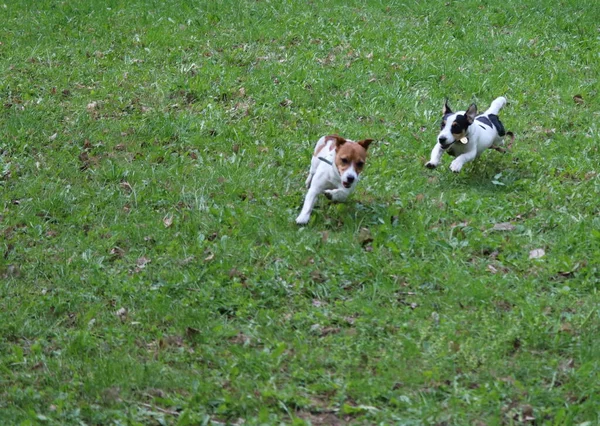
(152, 165)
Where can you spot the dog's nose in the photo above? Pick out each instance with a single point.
(442, 139)
(350, 179)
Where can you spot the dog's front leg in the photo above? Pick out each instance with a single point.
(436, 156)
(462, 159)
(339, 195)
(309, 203)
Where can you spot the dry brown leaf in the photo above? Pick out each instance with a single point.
(126, 186)
(168, 220)
(142, 262)
(504, 226)
(329, 330)
(122, 314)
(364, 236)
(536, 253)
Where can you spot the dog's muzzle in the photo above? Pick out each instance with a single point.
(444, 142)
(349, 181)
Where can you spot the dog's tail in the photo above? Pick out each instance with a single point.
(496, 106)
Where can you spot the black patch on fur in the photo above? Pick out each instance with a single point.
(484, 120)
(497, 124)
(461, 124)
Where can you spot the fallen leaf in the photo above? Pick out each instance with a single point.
(168, 220)
(566, 327)
(566, 365)
(364, 236)
(92, 106)
(52, 137)
(142, 262)
(350, 320)
(318, 277)
(240, 339)
(117, 252)
(492, 269)
(210, 257)
(504, 226)
(122, 314)
(536, 253)
(126, 186)
(329, 330)
(191, 332)
(578, 99)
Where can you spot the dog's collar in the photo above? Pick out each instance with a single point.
(325, 160)
(464, 140)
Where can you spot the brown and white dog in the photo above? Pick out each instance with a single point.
(334, 171)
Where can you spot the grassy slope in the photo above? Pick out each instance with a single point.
(119, 119)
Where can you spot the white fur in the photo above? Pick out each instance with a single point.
(325, 178)
(480, 135)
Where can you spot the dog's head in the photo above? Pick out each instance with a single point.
(455, 125)
(350, 159)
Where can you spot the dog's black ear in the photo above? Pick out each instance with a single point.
(471, 113)
(365, 143)
(446, 109)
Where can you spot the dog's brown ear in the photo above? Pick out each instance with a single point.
(446, 109)
(365, 143)
(339, 141)
(471, 113)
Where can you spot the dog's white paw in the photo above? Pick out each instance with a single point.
(455, 167)
(302, 219)
(431, 165)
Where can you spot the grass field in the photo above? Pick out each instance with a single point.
(152, 162)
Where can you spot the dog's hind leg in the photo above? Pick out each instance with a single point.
(313, 169)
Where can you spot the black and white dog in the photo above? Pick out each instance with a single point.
(465, 135)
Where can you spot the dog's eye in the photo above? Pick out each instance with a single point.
(345, 161)
(443, 124)
(360, 164)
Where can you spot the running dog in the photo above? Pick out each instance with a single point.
(465, 135)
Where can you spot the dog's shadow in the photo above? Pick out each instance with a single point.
(354, 213)
(490, 174)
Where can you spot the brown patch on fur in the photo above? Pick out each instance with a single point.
(338, 141)
(319, 149)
